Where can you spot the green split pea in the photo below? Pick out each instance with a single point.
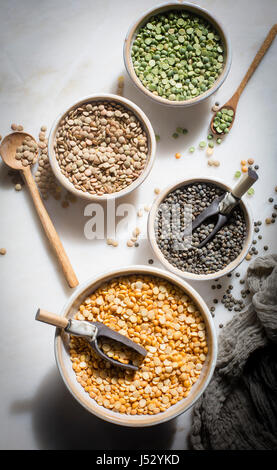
(223, 120)
(177, 55)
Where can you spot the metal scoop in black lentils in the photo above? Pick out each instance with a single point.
(177, 55)
(177, 210)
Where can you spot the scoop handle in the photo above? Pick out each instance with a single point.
(50, 318)
(50, 230)
(245, 183)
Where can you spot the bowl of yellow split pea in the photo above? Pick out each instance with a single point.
(159, 311)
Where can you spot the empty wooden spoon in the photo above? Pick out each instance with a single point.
(233, 102)
(8, 151)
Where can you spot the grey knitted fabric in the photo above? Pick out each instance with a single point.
(238, 410)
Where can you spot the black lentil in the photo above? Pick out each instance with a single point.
(175, 213)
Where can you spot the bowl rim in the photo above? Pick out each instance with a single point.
(144, 420)
(156, 10)
(151, 143)
(185, 274)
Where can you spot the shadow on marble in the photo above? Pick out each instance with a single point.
(61, 423)
(72, 220)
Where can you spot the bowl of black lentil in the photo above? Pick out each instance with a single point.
(102, 147)
(177, 54)
(172, 212)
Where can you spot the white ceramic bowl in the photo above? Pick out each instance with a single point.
(131, 35)
(129, 105)
(65, 365)
(185, 274)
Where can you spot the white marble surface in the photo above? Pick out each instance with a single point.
(52, 53)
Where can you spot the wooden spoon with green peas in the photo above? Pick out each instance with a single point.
(8, 151)
(223, 119)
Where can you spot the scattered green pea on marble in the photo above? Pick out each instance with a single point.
(192, 149)
(218, 140)
(177, 55)
(175, 135)
(158, 138)
(202, 144)
(251, 191)
(237, 174)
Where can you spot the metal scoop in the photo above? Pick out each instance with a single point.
(92, 331)
(222, 206)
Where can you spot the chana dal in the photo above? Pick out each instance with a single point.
(167, 323)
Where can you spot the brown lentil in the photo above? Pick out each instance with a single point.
(27, 152)
(101, 147)
(120, 85)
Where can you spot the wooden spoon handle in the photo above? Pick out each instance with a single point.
(51, 318)
(49, 229)
(257, 59)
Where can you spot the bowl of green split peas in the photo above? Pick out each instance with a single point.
(178, 54)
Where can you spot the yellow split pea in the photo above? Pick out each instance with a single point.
(156, 314)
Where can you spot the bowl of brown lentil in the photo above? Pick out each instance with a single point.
(175, 207)
(178, 54)
(102, 147)
(157, 310)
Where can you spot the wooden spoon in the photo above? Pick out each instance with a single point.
(233, 102)
(7, 151)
